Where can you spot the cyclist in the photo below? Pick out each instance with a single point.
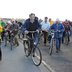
(58, 31)
(20, 32)
(7, 31)
(66, 29)
(14, 29)
(31, 24)
(45, 27)
(3, 24)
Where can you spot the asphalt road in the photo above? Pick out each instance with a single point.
(16, 61)
(59, 62)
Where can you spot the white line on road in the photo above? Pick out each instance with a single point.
(44, 63)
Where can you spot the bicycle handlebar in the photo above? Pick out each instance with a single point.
(53, 31)
(32, 31)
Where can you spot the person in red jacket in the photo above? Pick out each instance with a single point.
(66, 29)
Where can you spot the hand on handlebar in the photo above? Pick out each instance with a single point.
(37, 31)
(58, 31)
(26, 32)
(10, 31)
(15, 29)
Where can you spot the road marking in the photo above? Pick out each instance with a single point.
(44, 63)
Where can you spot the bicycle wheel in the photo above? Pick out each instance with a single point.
(66, 40)
(37, 56)
(11, 43)
(26, 47)
(5, 41)
(51, 48)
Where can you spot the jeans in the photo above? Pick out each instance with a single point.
(58, 43)
(64, 34)
(35, 35)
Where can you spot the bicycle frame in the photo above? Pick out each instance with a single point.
(66, 38)
(32, 38)
(52, 39)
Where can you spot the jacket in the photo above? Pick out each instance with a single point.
(56, 27)
(30, 26)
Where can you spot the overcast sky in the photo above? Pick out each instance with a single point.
(22, 8)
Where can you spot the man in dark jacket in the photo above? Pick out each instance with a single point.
(31, 24)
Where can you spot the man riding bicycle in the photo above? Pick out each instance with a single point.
(14, 29)
(31, 24)
(66, 29)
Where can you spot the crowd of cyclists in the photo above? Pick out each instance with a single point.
(33, 23)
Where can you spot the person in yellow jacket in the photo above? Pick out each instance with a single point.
(51, 22)
(1, 28)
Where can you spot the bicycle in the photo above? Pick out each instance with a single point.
(12, 39)
(51, 42)
(34, 52)
(6, 38)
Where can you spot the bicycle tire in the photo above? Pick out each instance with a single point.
(5, 41)
(26, 49)
(11, 44)
(40, 60)
(66, 40)
(51, 48)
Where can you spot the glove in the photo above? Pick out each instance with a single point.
(15, 29)
(26, 32)
(10, 31)
(58, 31)
(37, 31)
